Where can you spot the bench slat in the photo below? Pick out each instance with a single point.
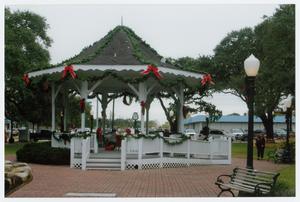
(255, 173)
(243, 179)
(250, 170)
(244, 186)
(239, 188)
(256, 179)
(250, 184)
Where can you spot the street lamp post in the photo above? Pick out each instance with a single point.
(287, 154)
(251, 66)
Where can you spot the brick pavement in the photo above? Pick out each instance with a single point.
(198, 181)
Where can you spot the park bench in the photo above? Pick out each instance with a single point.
(247, 181)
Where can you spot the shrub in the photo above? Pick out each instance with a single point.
(43, 153)
(282, 189)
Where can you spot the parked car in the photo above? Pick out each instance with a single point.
(237, 133)
(218, 133)
(280, 133)
(191, 133)
(255, 133)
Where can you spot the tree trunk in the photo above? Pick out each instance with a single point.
(267, 120)
(173, 124)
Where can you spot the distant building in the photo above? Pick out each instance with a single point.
(232, 121)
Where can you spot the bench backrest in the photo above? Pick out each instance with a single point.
(249, 178)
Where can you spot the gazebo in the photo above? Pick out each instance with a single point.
(119, 62)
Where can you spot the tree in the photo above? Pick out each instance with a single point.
(26, 44)
(276, 48)
(193, 97)
(273, 42)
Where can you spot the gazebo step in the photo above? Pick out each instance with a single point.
(104, 160)
(97, 168)
(104, 165)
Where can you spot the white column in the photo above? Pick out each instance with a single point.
(142, 97)
(66, 103)
(180, 124)
(97, 111)
(83, 95)
(52, 107)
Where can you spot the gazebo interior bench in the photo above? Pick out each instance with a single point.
(247, 181)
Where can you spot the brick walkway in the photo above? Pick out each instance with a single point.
(56, 181)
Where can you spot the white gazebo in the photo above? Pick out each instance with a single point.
(120, 62)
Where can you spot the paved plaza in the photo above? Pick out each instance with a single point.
(198, 181)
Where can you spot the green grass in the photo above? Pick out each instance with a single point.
(239, 150)
(11, 149)
(285, 185)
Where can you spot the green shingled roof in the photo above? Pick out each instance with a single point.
(121, 46)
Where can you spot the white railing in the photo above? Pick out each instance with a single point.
(86, 148)
(158, 152)
(94, 143)
(75, 151)
(59, 143)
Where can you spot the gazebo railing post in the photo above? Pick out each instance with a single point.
(123, 153)
(72, 153)
(161, 153)
(188, 151)
(229, 149)
(140, 154)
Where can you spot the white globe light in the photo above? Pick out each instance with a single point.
(251, 65)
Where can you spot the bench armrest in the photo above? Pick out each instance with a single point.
(257, 187)
(220, 178)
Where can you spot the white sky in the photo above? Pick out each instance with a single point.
(172, 30)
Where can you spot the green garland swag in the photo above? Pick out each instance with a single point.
(125, 100)
(157, 135)
(67, 137)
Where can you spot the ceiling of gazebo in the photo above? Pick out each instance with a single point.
(120, 56)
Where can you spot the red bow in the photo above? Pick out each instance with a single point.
(26, 79)
(82, 105)
(153, 69)
(143, 104)
(206, 79)
(69, 69)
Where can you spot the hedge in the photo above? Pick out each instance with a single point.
(43, 153)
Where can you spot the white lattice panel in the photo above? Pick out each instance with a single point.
(77, 163)
(131, 164)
